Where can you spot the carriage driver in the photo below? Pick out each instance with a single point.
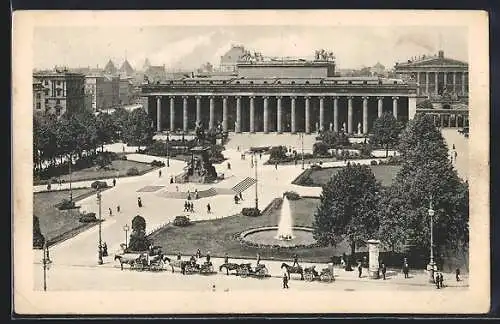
(208, 257)
(295, 260)
(226, 258)
(178, 255)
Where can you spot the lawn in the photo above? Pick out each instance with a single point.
(220, 236)
(118, 168)
(55, 224)
(318, 177)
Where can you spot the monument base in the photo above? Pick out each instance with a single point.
(374, 274)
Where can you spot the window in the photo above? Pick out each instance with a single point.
(365, 82)
(279, 82)
(395, 82)
(265, 82)
(38, 105)
(46, 92)
(197, 82)
(38, 95)
(307, 82)
(58, 101)
(211, 82)
(321, 82)
(46, 101)
(58, 91)
(237, 82)
(251, 82)
(293, 82)
(58, 83)
(184, 81)
(349, 82)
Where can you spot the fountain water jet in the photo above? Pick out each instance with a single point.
(285, 226)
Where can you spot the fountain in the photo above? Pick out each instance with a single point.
(285, 232)
(285, 235)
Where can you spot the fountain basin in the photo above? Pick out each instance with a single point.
(267, 236)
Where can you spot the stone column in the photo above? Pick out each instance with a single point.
(292, 103)
(238, 114)
(172, 114)
(380, 102)
(321, 113)
(395, 107)
(412, 107)
(212, 113)
(279, 113)
(427, 83)
(418, 83)
(224, 113)
(252, 114)
(445, 79)
(266, 115)
(335, 114)
(373, 254)
(185, 113)
(349, 115)
(198, 110)
(455, 82)
(463, 83)
(307, 112)
(436, 88)
(365, 115)
(158, 114)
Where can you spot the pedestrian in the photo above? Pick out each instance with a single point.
(110, 212)
(48, 186)
(118, 208)
(185, 206)
(159, 173)
(123, 148)
(209, 209)
(285, 281)
(171, 179)
(104, 249)
(228, 166)
(295, 260)
(260, 155)
(198, 253)
(208, 257)
(236, 199)
(436, 280)
(384, 270)
(258, 258)
(276, 165)
(139, 202)
(365, 262)
(114, 182)
(178, 255)
(457, 274)
(238, 148)
(360, 269)
(177, 188)
(406, 268)
(441, 279)
(192, 207)
(342, 261)
(226, 258)
(188, 195)
(241, 196)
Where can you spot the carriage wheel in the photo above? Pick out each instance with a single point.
(263, 272)
(211, 269)
(326, 277)
(308, 276)
(244, 272)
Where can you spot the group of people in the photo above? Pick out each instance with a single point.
(188, 206)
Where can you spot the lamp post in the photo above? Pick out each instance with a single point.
(70, 190)
(432, 265)
(46, 264)
(99, 198)
(126, 228)
(168, 155)
(302, 143)
(256, 181)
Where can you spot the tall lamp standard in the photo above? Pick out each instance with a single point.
(99, 199)
(256, 181)
(126, 229)
(432, 265)
(168, 155)
(302, 144)
(46, 264)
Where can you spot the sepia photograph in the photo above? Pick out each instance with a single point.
(252, 161)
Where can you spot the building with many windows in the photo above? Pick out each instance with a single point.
(279, 96)
(64, 91)
(103, 90)
(38, 97)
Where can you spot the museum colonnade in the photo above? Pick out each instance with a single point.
(353, 114)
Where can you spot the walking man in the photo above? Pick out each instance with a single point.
(457, 274)
(285, 280)
(139, 202)
(258, 258)
(241, 196)
(360, 269)
(159, 173)
(110, 212)
(436, 280)
(384, 270)
(118, 208)
(114, 182)
(209, 209)
(226, 258)
(406, 268)
(178, 255)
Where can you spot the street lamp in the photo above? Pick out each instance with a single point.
(46, 264)
(168, 155)
(302, 141)
(256, 181)
(99, 198)
(126, 229)
(432, 265)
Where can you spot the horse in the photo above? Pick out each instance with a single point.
(124, 259)
(296, 269)
(166, 259)
(178, 264)
(229, 266)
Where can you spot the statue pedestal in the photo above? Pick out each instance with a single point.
(373, 252)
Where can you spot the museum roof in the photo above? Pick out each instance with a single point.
(431, 61)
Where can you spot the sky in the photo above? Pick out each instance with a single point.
(188, 47)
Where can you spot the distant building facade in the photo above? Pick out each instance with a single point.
(126, 91)
(38, 97)
(64, 91)
(156, 73)
(229, 61)
(436, 75)
(103, 90)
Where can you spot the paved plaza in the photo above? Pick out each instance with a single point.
(75, 260)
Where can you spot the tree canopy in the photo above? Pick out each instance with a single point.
(138, 238)
(348, 208)
(386, 131)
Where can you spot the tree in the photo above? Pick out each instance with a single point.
(38, 238)
(138, 239)
(139, 128)
(328, 137)
(386, 130)
(347, 210)
(427, 174)
(105, 129)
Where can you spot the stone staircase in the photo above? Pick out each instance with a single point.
(244, 185)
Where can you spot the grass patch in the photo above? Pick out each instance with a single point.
(318, 177)
(219, 236)
(57, 225)
(117, 169)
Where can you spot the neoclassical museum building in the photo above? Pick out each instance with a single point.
(271, 95)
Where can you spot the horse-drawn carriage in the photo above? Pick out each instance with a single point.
(141, 261)
(326, 274)
(246, 269)
(198, 267)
